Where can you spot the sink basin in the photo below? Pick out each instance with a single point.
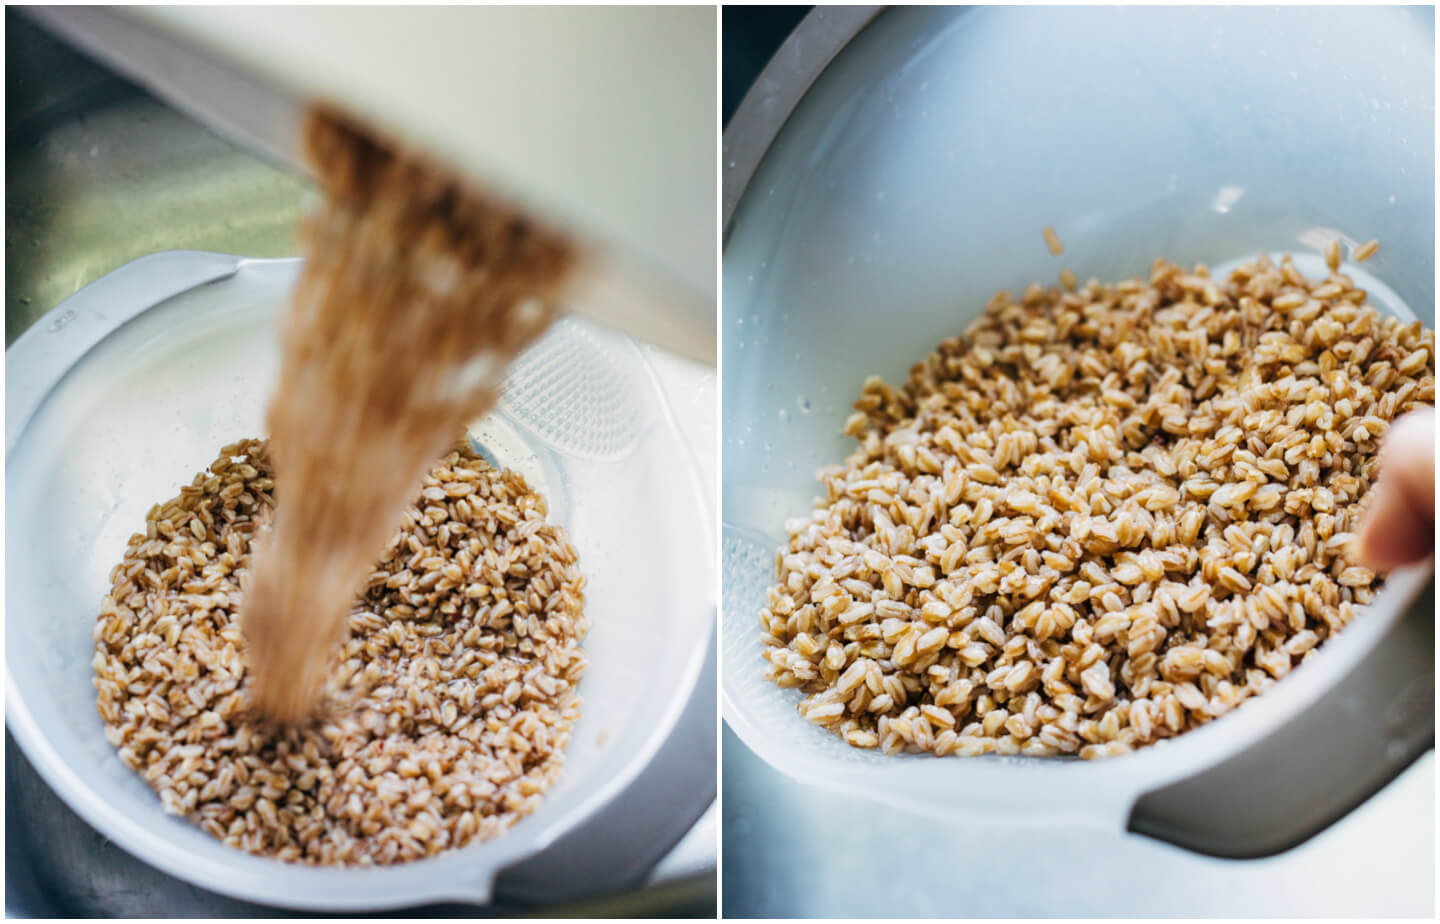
(99, 172)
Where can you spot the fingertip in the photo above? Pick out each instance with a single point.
(1407, 454)
(1394, 532)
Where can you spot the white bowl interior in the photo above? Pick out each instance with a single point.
(914, 180)
(152, 404)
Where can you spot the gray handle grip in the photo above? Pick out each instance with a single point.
(1310, 773)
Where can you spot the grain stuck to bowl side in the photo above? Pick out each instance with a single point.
(448, 714)
(1098, 519)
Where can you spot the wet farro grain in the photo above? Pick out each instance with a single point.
(448, 707)
(1099, 518)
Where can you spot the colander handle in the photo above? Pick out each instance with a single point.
(1313, 770)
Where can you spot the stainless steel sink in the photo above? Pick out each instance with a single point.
(99, 172)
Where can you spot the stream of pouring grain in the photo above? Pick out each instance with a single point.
(416, 293)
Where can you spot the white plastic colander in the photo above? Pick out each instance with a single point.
(914, 179)
(126, 390)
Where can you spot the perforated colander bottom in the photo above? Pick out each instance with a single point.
(572, 392)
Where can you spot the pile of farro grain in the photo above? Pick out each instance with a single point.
(448, 709)
(1102, 517)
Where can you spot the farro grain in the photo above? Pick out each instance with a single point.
(1099, 518)
(416, 292)
(449, 705)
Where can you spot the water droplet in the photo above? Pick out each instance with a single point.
(803, 403)
(784, 416)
